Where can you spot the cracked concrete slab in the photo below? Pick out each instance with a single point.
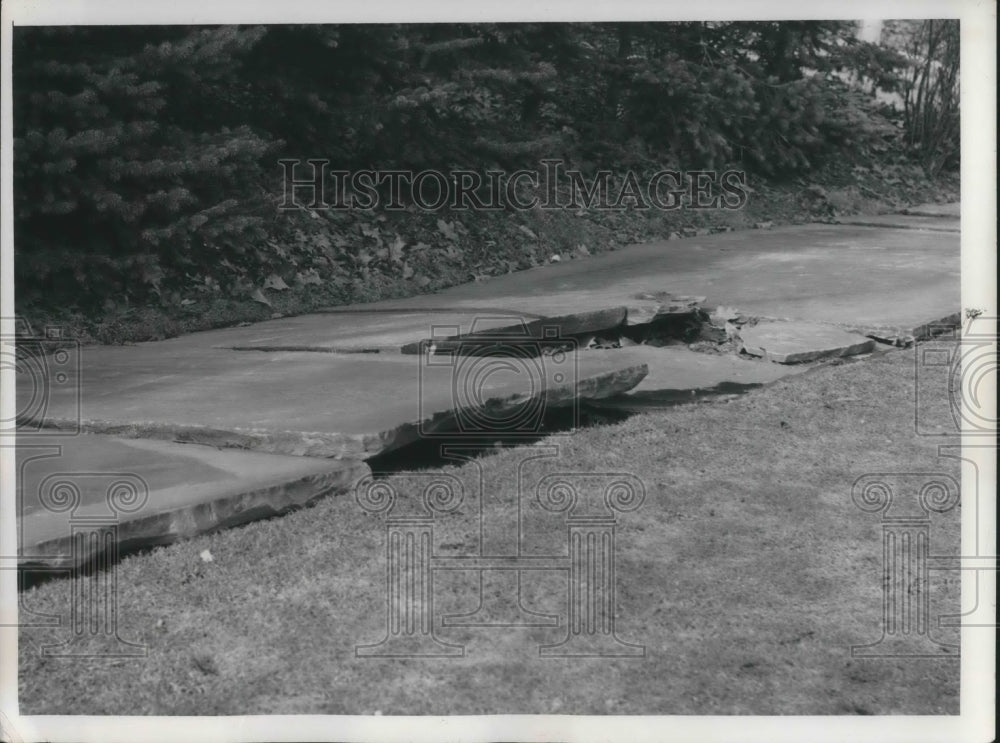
(548, 330)
(388, 331)
(677, 375)
(798, 342)
(309, 404)
(155, 492)
(677, 368)
(899, 336)
(363, 397)
(836, 274)
(854, 276)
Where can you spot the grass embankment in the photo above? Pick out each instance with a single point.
(747, 574)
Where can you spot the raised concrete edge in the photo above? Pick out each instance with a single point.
(567, 326)
(348, 446)
(185, 521)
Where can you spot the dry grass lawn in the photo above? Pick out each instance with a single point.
(747, 574)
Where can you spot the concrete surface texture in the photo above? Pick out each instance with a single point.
(860, 277)
(356, 331)
(675, 368)
(155, 492)
(314, 404)
(798, 342)
(839, 274)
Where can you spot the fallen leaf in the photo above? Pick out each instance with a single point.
(275, 282)
(308, 277)
(205, 663)
(396, 249)
(447, 230)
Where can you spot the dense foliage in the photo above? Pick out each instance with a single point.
(146, 157)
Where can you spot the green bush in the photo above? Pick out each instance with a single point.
(145, 158)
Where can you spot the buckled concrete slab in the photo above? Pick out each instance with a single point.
(679, 375)
(832, 274)
(799, 342)
(312, 404)
(845, 275)
(548, 329)
(905, 336)
(181, 409)
(146, 493)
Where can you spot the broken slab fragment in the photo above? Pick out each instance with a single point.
(677, 374)
(358, 331)
(678, 368)
(314, 404)
(818, 273)
(798, 342)
(650, 306)
(154, 492)
(895, 335)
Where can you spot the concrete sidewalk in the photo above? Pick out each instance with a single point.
(313, 404)
(892, 280)
(334, 388)
(859, 277)
(177, 422)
